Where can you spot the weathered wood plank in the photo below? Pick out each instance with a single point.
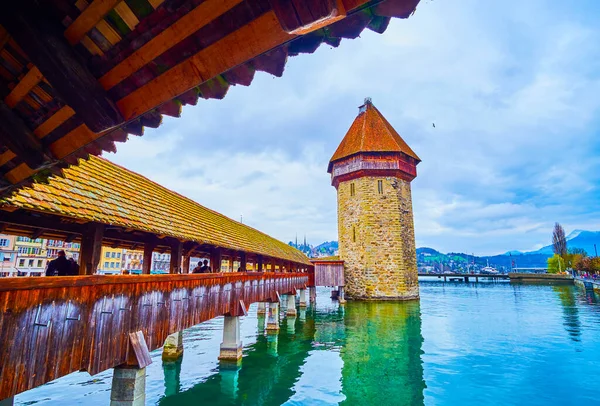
(15, 134)
(41, 38)
(29, 81)
(258, 37)
(140, 348)
(88, 19)
(303, 17)
(183, 28)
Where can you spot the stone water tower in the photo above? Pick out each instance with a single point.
(372, 169)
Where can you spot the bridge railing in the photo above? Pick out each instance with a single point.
(52, 326)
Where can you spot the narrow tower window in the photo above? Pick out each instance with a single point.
(380, 186)
(352, 189)
(353, 234)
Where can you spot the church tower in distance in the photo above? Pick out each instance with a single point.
(372, 169)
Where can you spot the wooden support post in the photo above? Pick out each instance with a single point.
(43, 41)
(149, 247)
(176, 251)
(260, 263)
(186, 263)
(243, 261)
(91, 247)
(216, 257)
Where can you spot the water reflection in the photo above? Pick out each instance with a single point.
(572, 324)
(266, 375)
(382, 354)
(172, 371)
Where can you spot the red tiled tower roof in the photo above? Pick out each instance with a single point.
(370, 132)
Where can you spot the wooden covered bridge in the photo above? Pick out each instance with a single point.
(52, 326)
(76, 76)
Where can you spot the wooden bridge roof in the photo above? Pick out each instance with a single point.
(371, 132)
(99, 191)
(78, 75)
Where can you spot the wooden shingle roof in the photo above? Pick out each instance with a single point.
(78, 75)
(98, 190)
(371, 132)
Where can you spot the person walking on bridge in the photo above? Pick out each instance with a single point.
(59, 266)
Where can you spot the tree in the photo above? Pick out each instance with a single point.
(559, 241)
(556, 264)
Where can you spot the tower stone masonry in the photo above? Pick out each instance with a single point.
(372, 170)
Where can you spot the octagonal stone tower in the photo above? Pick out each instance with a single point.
(372, 170)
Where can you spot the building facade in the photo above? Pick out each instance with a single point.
(372, 170)
(133, 261)
(8, 255)
(31, 256)
(111, 261)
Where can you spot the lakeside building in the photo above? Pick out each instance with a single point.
(133, 260)
(111, 261)
(8, 255)
(31, 257)
(24, 256)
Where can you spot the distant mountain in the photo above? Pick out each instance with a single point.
(455, 261)
(326, 249)
(577, 239)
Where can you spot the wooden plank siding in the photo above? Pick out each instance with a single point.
(50, 327)
(329, 274)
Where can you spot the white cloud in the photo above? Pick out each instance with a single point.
(511, 87)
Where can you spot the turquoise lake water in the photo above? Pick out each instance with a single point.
(461, 344)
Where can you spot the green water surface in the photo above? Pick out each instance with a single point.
(461, 344)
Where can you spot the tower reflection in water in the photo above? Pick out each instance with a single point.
(379, 345)
(382, 354)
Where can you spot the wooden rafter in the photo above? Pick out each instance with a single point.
(29, 81)
(15, 134)
(253, 39)
(183, 28)
(88, 19)
(41, 38)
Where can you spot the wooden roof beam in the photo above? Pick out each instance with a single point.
(29, 81)
(253, 39)
(260, 36)
(88, 19)
(15, 134)
(43, 41)
(302, 17)
(191, 22)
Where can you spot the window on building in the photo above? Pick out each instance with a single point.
(353, 234)
(3, 242)
(352, 189)
(380, 187)
(106, 265)
(30, 263)
(21, 262)
(113, 254)
(118, 255)
(39, 263)
(107, 255)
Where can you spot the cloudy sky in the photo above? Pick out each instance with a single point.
(513, 88)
